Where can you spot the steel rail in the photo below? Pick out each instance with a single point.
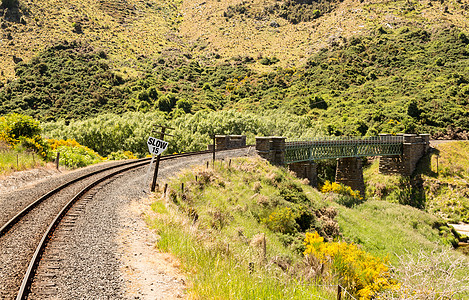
(28, 277)
(15, 219)
(30, 272)
(38, 201)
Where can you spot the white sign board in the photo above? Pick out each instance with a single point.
(156, 146)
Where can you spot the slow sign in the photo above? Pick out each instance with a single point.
(156, 146)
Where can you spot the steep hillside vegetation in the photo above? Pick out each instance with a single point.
(439, 185)
(127, 29)
(265, 234)
(356, 67)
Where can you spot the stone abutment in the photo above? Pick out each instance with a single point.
(349, 170)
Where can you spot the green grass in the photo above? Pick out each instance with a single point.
(218, 274)
(222, 250)
(392, 229)
(439, 185)
(11, 161)
(215, 222)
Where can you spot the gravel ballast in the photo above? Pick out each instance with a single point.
(103, 250)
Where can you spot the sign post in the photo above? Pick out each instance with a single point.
(213, 154)
(157, 147)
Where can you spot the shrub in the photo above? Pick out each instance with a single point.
(269, 61)
(282, 220)
(348, 197)
(13, 126)
(36, 144)
(167, 102)
(121, 154)
(22, 132)
(185, 105)
(72, 154)
(292, 192)
(361, 273)
(10, 3)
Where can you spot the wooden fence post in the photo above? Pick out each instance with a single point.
(57, 160)
(339, 292)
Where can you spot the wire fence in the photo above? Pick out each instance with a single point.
(342, 292)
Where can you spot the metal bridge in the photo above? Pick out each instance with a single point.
(341, 147)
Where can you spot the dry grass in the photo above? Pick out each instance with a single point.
(435, 275)
(126, 29)
(129, 29)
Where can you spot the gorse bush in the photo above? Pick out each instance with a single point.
(23, 133)
(121, 155)
(54, 144)
(282, 220)
(361, 273)
(347, 196)
(72, 154)
(14, 126)
(36, 144)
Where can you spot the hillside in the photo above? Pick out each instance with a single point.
(126, 29)
(439, 185)
(262, 233)
(129, 29)
(355, 67)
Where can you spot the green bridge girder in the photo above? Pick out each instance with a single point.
(340, 147)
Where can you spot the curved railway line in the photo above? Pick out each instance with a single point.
(24, 237)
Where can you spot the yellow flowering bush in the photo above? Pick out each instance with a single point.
(5, 133)
(361, 273)
(281, 220)
(36, 144)
(348, 197)
(6, 138)
(21, 133)
(121, 155)
(72, 154)
(54, 144)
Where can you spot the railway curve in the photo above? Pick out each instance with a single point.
(89, 269)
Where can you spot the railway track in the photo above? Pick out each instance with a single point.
(24, 237)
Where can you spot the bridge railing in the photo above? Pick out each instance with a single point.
(338, 147)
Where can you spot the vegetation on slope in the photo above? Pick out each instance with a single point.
(66, 81)
(438, 186)
(246, 221)
(396, 80)
(243, 223)
(127, 29)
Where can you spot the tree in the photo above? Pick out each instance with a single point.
(9, 3)
(413, 109)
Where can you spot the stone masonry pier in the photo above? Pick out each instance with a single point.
(399, 154)
(225, 142)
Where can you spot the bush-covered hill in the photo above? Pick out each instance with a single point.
(396, 80)
(66, 81)
(405, 70)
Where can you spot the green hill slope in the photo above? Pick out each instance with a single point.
(356, 67)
